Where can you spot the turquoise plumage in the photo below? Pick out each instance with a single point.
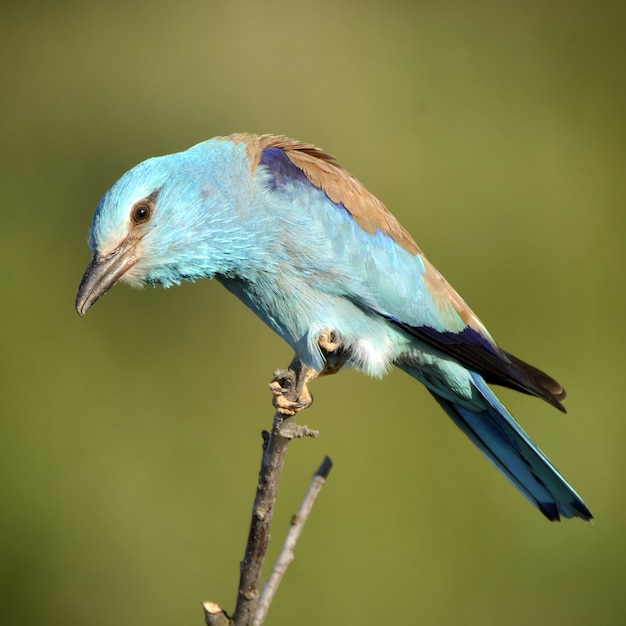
(321, 261)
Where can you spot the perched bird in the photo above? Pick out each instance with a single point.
(321, 261)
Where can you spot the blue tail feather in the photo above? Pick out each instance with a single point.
(508, 447)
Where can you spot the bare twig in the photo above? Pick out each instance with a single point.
(275, 448)
(287, 555)
(290, 397)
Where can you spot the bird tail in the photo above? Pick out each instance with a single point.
(509, 448)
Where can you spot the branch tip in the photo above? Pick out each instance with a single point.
(324, 468)
(214, 615)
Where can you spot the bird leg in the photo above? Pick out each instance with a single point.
(289, 386)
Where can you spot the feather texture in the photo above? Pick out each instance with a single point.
(306, 247)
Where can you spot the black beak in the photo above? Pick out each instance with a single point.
(103, 272)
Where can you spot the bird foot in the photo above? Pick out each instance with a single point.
(330, 343)
(289, 388)
(328, 340)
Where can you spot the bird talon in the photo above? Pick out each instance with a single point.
(328, 340)
(331, 344)
(288, 384)
(277, 389)
(289, 407)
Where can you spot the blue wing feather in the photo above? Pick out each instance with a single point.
(371, 268)
(377, 274)
(306, 247)
(508, 447)
(380, 277)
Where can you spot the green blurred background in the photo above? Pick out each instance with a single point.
(128, 450)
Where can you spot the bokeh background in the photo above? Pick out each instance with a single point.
(130, 439)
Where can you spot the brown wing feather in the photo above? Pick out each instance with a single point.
(371, 214)
(337, 183)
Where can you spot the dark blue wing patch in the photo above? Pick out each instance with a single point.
(495, 365)
(284, 174)
(283, 171)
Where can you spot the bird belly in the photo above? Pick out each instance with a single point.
(367, 341)
(371, 351)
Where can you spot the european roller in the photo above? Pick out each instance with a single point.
(322, 262)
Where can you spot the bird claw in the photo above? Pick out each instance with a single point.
(290, 391)
(330, 343)
(328, 340)
(289, 407)
(289, 386)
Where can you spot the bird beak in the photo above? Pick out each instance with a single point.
(103, 272)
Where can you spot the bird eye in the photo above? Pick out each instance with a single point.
(141, 213)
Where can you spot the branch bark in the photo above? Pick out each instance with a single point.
(287, 554)
(289, 389)
(283, 431)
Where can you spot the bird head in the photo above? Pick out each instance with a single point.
(171, 218)
(123, 231)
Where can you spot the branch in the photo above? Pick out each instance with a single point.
(284, 429)
(287, 555)
(291, 395)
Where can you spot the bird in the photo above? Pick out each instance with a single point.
(318, 258)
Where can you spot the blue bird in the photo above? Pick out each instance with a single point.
(323, 263)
